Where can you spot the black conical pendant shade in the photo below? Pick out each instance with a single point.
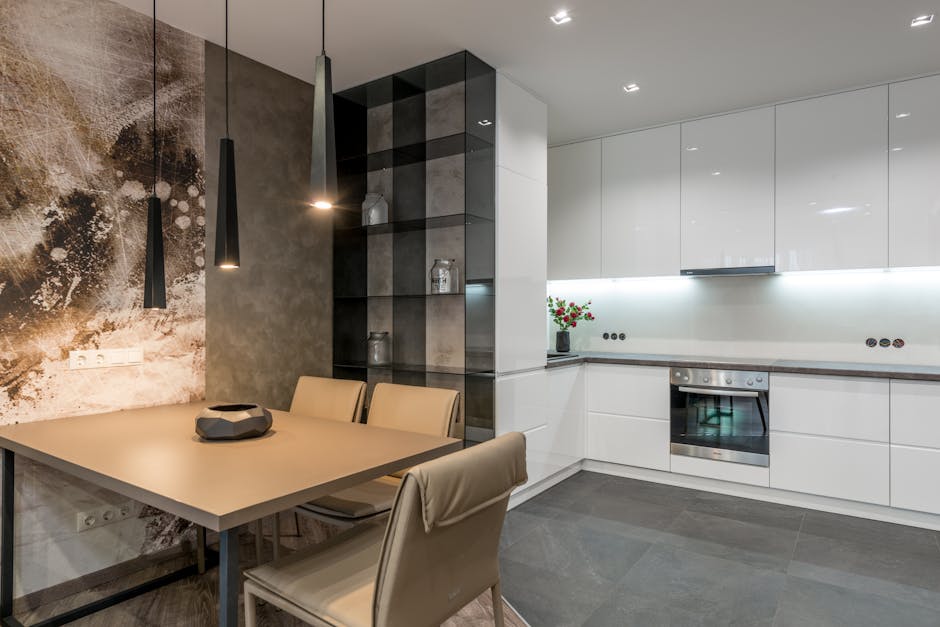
(226, 219)
(226, 224)
(323, 157)
(154, 277)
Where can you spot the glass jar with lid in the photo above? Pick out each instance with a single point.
(379, 349)
(444, 277)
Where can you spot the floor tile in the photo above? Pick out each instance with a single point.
(576, 550)
(749, 510)
(683, 583)
(748, 543)
(893, 553)
(866, 585)
(516, 526)
(548, 599)
(822, 605)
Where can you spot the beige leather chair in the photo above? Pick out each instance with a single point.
(333, 399)
(319, 397)
(438, 552)
(432, 411)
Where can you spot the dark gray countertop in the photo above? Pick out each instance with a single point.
(888, 371)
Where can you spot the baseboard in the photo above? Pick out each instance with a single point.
(773, 495)
(530, 491)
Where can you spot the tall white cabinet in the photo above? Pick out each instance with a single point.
(640, 203)
(914, 172)
(521, 226)
(574, 220)
(728, 191)
(832, 187)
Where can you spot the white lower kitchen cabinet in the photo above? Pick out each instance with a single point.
(628, 440)
(840, 407)
(855, 470)
(548, 407)
(641, 391)
(915, 413)
(914, 476)
(724, 471)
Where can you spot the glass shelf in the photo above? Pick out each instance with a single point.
(447, 146)
(418, 368)
(421, 224)
(400, 296)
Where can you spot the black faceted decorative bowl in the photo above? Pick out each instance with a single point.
(233, 422)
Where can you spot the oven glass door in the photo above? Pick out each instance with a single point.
(728, 425)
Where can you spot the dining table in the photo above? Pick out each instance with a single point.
(153, 456)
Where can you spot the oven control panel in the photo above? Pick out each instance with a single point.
(730, 379)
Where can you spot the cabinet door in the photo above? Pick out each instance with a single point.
(640, 203)
(574, 211)
(641, 391)
(840, 407)
(728, 191)
(832, 176)
(520, 277)
(914, 477)
(628, 440)
(915, 413)
(914, 158)
(842, 469)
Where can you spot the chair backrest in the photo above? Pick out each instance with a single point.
(442, 541)
(333, 399)
(413, 408)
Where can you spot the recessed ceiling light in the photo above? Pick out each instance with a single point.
(484, 123)
(692, 148)
(903, 115)
(921, 20)
(560, 18)
(716, 173)
(631, 87)
(898, 149)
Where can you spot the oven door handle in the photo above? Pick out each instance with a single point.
(711, 392)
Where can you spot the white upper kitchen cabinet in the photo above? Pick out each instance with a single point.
(640, 203)
(574, 211)
(914, 164)
(832, 182)
(728, 191)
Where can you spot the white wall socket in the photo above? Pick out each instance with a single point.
(105, 358)
(104, 515)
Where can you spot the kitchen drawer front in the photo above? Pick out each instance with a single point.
(842, 469)
(915, 479)
(641, 391)
(724, 471)
(840, 407)
(629, 440)
(915, 413)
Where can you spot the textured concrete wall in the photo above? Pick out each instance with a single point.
(271, 320)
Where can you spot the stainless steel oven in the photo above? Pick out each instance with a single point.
(720, 414)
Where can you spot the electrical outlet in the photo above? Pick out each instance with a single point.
(104, 515)
(105, 358)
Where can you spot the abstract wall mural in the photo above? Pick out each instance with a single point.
(75, 173)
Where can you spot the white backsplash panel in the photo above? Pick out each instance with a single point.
(811, 315)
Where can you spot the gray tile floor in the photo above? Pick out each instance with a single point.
(599, 550)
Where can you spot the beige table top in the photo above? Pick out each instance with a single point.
(154, 456)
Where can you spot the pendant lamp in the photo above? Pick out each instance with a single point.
(323, 157)
(154, 277)
(226, 222)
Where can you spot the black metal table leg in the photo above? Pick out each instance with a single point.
(6, 535)
(229, 577)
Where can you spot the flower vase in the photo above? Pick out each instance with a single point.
(562, 342)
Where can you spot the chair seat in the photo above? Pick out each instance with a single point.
(334, 580)
(360, 501)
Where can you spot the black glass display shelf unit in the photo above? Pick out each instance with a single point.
(417, 368)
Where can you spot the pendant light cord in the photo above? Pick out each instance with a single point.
(226, 69)
(154, 128)
(323, 27)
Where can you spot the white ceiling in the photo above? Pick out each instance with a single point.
(690, 57)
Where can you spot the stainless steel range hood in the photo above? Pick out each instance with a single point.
(728, 271)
